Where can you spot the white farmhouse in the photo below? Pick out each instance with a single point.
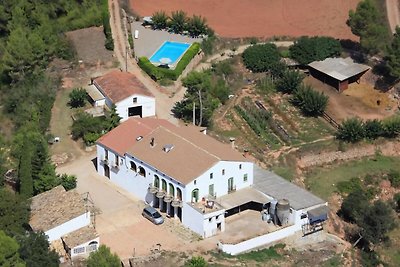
(64, 217)
(192, 177)
(125, 91)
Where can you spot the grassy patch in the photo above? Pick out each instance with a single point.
(391, 254)
(323, 180)
(263, 254)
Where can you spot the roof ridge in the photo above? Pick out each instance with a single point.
(193, 144)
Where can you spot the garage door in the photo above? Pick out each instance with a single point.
(135, 111)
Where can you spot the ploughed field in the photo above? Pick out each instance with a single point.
(262, 18)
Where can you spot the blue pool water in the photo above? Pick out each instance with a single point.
(169, 50)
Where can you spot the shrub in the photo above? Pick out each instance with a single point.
(158, 73)
(197, 26)
(196, 262)
(109, 43)
(178, 21)
(391, 127)
(351, 130)
(77, 98)
(310, 101)
(346, 187)
(308, 49)
(68, 181)
(290, 81)
(373, 129)
(396, 202)
(394, 178)
(261, 58)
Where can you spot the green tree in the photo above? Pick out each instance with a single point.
(47, 179)
(14, 213)
(9, 256)
(308, 49)
(25, 170)
(394, 178)
(351, 130)
(68, 181)
(290, 81)
(391, 127)
(310, 102)
(160, 20)
(85, 123)
(261, 57)
(354, 206)
(197, 25)
(373, 129)
(366, 22)
(196, 262)
(393, 55)
(377, 220)
(112, 118)
(103, 257)
(178, 21)
(35, 251)
(77, 98)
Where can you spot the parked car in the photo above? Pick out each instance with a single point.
(152, 215)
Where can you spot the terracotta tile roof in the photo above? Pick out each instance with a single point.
(80, 236)
(118, 85)
(191, 155)
(55, 207)
(124, 136)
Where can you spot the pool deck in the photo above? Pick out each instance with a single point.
(150, 40)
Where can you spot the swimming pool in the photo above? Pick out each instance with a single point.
(169, 53)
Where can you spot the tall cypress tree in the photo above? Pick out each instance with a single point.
(25, 170)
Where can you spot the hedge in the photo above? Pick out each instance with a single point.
(158, 73)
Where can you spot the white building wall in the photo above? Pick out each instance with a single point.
(220, 180)
(258, 241)
(148, 106)
(130, 179)
(192, 219)
(100, 103)
(68, 227)
(83, 248)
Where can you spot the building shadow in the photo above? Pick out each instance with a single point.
(94, 161)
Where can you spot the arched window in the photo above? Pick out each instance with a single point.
(156, 181)
(133, 166)
(142, 171)
(179, 193)
(164, 185)
(171, 190)
(195, 195)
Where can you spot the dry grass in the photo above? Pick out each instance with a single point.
(366, 94)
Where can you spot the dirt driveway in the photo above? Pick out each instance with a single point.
(118, 219)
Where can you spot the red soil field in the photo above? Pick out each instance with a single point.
(262, 18)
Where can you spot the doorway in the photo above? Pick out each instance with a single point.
(107, 171)
(135, 111)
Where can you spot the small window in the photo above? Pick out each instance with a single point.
(245, 177)
(223, 171)
(303, 216)
(134, 100)
(240, 166)
(210, 219)
(79, 250)
(211, 175)
(217, 218)
(195, 182)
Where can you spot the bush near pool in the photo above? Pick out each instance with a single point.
(158, 73)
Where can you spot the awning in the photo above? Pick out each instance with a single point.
(319, 214)
(94, 93)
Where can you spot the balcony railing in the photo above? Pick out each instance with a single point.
(104, 160)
